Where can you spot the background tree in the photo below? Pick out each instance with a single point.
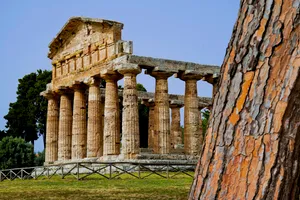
(15, 153)
(205, 118)
(2, 134)
(252, 146)
(26, 117)
(39, 158)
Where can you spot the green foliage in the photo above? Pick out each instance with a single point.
(27, 116)
(205, 119)
(39, 158)
(140, 87)
(15, 153)
(2, 134)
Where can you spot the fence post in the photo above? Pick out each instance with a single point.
(139, 171)
(0, 176)
(35, 173)
(168, 170)
(62, 172)
(110, 171)
(22, 174)
(77, 171)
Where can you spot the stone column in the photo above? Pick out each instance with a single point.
(111, 137)
(130, 116)
(161, 113)
(51, 150)
(176, 133)
(65, 126)
(95, 125)
(79, 128)
(150, 104)
(200, 125)
(212, 79)
(191, 113)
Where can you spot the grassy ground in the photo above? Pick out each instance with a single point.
(153, 187)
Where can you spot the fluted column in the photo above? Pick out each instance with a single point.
(200, 125)
(79, 128)
(192, 134)
(95, 125)
(51, 150)
(161, 113)
(65, 126)
(130, 115)
(150, 104)
(111, 137)
(176, 133)
(191, 119)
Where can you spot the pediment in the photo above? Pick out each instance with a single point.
(80, 32)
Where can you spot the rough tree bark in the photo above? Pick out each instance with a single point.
(252, 149)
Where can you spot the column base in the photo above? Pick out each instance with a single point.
(146, 155)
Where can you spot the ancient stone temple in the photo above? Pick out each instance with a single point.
(84, 118)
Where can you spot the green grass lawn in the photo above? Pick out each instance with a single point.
(127, 187)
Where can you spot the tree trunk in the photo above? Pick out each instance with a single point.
(252, 147)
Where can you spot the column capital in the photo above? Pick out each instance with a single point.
(159, 74)
(148, 102)
(189, 75)
(202, 105)
(128, 68)
(110, 75)
(62, 90)
(49, 94)
(212, 78)
(78, 86)
(93, 81)
(176, 104)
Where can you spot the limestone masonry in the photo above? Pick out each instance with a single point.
(84, 120)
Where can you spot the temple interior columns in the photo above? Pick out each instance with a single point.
(176, 133)
(150, 104)
(200, 126)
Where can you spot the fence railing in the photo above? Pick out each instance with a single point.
(107, 170)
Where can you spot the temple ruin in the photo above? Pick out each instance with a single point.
(83, 120)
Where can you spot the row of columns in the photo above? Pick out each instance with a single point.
(75, 133)
(175, 127)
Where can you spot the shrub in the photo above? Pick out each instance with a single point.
(15, 153)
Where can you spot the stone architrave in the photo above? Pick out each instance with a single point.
(176, 133)
(95, 122)
(191, 112)
(130, 117)
(111, 137)
(161, 139)
(52, 126)
(79, 128)
(150, 104)
(65, 125)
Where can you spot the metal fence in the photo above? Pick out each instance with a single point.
(107, 170)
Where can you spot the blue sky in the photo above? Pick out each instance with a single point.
(191, 30)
